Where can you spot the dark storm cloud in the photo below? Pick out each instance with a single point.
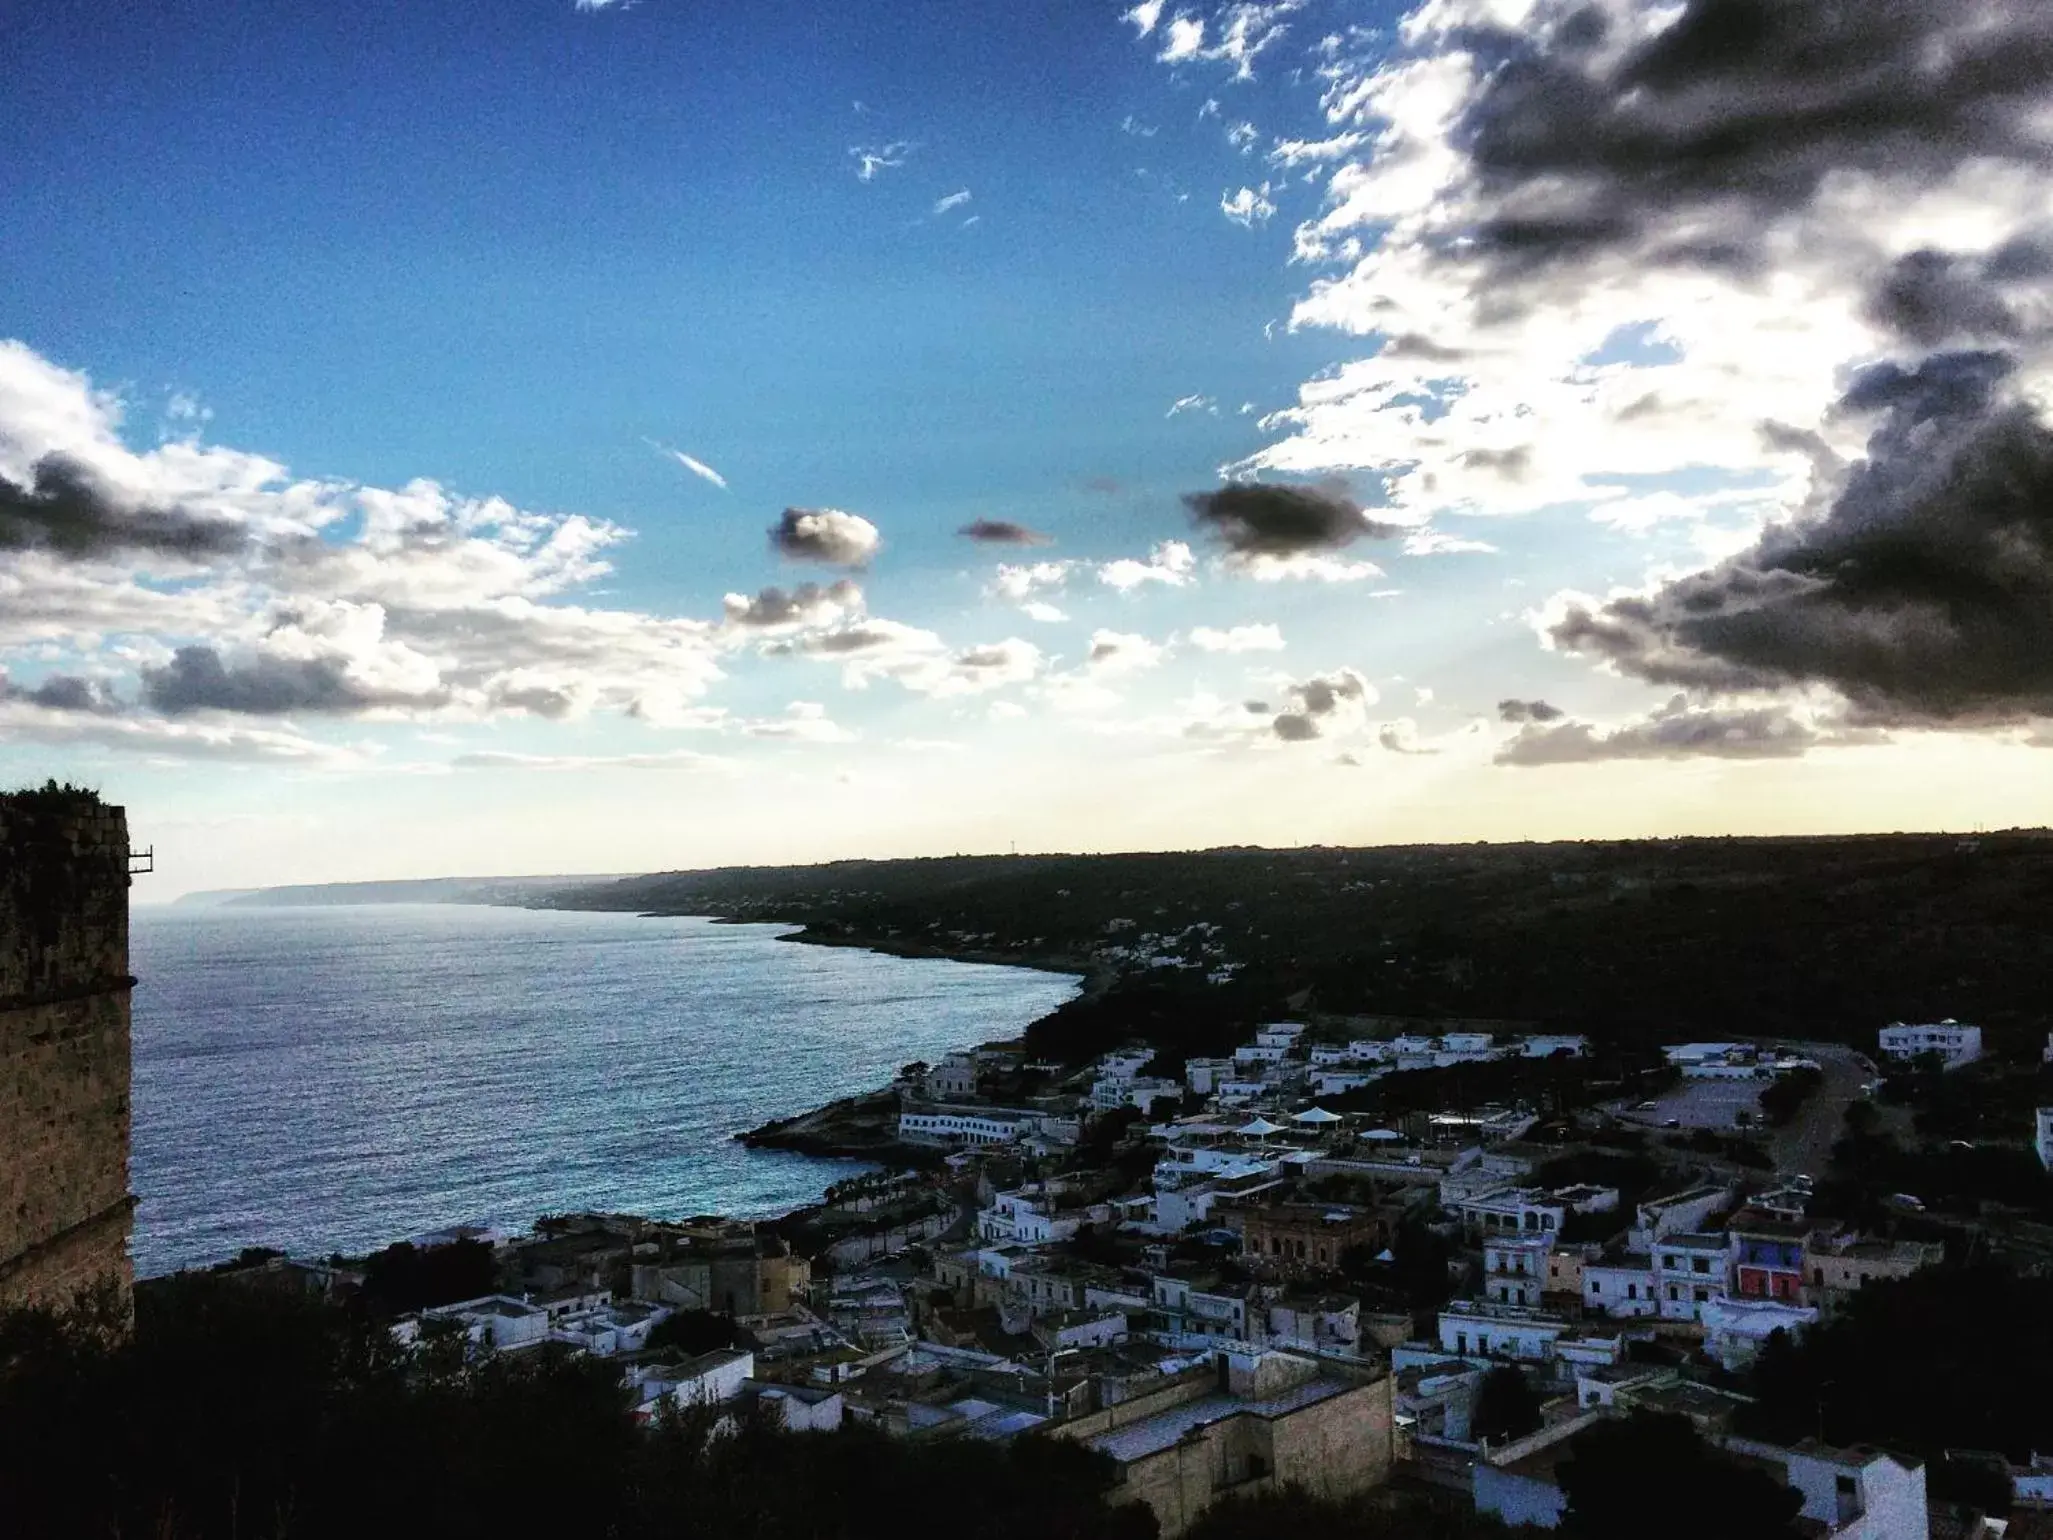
(1257, 518)
(1528, 711)
(780, 607)
(1919, 586)
(61, 692)
(1737, 112)
(1677, 731)
(70, 509)
(197, 680)
(1002, 532)
(1316, 700)
(1933, 298)
(825, 535)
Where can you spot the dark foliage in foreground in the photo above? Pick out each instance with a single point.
(1655, 1474)
(252, 1414)
(1948, 1357)
(1295, 1514)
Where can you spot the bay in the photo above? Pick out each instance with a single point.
(323, 1079)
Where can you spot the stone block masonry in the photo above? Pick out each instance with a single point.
(64, 1047)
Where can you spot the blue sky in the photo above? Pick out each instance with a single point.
(1057, 267)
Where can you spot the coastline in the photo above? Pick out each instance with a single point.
(852, 1127)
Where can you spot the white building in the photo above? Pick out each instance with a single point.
(1678, 1213)
(1735, 1329)
(965, 1125)
(1279, 1034)
(797, 1408)
(1515, 1268)
(1204, 1075)
(1955, 1044)
(1019, 1217)
(2042, 1139)
(1544, 1045)
(1126, 1064)
(1203, 1311)
(1261, 1053)
(494, 1320)
(1856, 1494)
(711, 1379)
(1620, 1286)
(1689, 1272)
(954, 1076)
(1471, 1328)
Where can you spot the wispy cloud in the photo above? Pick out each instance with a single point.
(696, 466)
(954, 200)
(871, 159)
(1192, 403)
(674, 759)
(1248, 207)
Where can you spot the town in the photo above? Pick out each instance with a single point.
(1259, 1272)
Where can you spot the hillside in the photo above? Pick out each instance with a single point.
(1829, 937)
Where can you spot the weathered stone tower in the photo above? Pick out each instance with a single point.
(64, 983)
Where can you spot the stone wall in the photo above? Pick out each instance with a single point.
(64, 1045)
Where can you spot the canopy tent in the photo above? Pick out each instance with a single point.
(1382, 1133)
(1315, 1115)
(1261, 1128)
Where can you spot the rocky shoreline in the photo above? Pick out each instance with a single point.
(864, 1126)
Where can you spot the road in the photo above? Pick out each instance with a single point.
(1805, 1146)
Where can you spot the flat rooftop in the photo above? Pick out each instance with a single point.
(1166, 1429)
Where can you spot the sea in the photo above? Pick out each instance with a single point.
(334, 1079)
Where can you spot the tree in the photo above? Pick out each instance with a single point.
(692, 1332)
(1506, 1407)
(1621, 1474)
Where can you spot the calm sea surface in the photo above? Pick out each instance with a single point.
(323, 1079)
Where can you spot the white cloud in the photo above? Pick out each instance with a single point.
(871, 159)
(954, 200)
(1192, 403)
(1257, 638)
(1184, 39)
(1246, 30)
(1248, 207)
(803, 722)
(673, 759)
(697, 467)
(1122, 652)
(1291, 153)
(1169, 563)
(1047, 614)
(309, 598)
(1243, 136)
(1144, 16)
(1307, 565)
(1018, 582)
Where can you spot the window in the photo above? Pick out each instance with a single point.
(1700, 1265)
(1632, 1291)
(1674, 1293)
(1673, 1264)
(1596, 1286)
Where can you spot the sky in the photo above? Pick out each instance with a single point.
(554, 435)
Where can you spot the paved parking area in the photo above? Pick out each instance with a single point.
(1700, 1104)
